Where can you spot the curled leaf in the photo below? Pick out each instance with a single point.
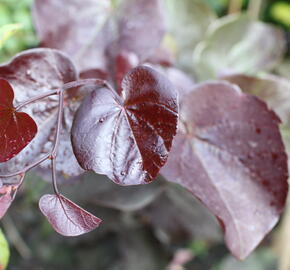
(7, 194)
(126, 138)
(66, 217)
(230, 155)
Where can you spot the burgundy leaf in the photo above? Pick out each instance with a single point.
(17, 129)
(230, 155)
(66, 217)
(7, 195)
(32, 73)
(76, 29)
(127, 138)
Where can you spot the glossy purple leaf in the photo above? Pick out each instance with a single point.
(17, 129)
(32, 73)
(126, 137)
(7, 195)
(229, 154)
(76, 29)
(66, 217)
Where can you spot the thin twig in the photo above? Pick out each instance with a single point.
(27, 168)
(56, 143)
(52, 154)
(53, 174)
(15, 237)
(235, 6)
(44, 95)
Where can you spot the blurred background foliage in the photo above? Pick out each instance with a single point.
(170, 231)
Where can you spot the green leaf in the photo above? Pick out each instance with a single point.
(280, 11)
(4, 251)
(7, 31)
(238, 44)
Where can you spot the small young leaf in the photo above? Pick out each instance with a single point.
(7, 195)
(4, 251)
(17, 129)
(127, 138)
(66, 217)
(230, 155)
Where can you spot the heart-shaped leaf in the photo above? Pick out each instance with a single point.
(66, 217)
(230, 155)
(127, 138)
(237, 44)
(31, 73)
(17, 129)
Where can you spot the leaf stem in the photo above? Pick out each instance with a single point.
(27, 168)
(52, 154)
(56, 143)
(32, 100)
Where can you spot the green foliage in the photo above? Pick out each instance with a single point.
(4, 251)
(16, 12)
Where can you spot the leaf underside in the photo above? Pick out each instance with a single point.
(230, 155)
(67, 218)
(127, 138)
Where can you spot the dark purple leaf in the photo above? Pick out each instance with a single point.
(66, 217)
(127, 138)
(17, 129)
(230, 155)
(32, 73)
(76, 29)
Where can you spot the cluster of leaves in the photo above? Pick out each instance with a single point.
(114, 99)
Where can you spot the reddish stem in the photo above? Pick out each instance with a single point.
(52, 155)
